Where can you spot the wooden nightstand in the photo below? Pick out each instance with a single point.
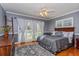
(76, 40)
(5, 47)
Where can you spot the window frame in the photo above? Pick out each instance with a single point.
(62, 22)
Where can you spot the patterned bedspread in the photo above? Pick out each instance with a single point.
(53, 44)
(32, 50)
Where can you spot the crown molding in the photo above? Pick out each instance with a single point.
(43, 18)
(26, 15)
(67, 13)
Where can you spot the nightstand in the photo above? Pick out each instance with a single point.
(77, 42)
(5, 46)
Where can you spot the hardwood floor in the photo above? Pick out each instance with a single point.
(17, 44)
(69, 52)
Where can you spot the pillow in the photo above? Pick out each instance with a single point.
(53, 33)
(65, 34)
(70, 34)
(70, 37)
(41, 37)
(58, 33)
(48, 33)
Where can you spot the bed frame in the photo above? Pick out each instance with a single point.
(65, 29)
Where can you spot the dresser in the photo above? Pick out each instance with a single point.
(5, 47)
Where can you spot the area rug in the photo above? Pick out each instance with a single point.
(32, 50)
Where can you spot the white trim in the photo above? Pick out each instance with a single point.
(42, 18)
(66, 13)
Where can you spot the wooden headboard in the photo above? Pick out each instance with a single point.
(67, 29)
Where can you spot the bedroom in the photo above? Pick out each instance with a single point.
(39, 29)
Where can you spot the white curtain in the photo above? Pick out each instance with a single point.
(29, 30)
(21, 29)
(39, 28)
(28, 34)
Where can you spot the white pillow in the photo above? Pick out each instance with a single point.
(70, 34)
(65, 34)
(53, 33)
(70, 37)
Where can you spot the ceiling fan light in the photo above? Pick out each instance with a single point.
(41, 14)
(46, 14)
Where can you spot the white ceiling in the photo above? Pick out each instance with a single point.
(33, 9)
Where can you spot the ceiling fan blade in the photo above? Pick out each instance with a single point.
(51, 11)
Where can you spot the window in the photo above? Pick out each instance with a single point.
(59, 23)
(68, 22)
(29, 30)
(39, 29)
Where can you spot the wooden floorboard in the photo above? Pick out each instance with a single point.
(69, 52)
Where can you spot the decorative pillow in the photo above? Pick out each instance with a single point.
(58, 33)
(53, 33)
(40, 38)
(48, 33)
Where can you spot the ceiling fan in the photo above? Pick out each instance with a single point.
(44, 12)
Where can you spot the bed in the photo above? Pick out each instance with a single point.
(32, 50)
(53, 43)
(58, 42)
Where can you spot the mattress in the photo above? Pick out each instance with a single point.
(32, 50)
